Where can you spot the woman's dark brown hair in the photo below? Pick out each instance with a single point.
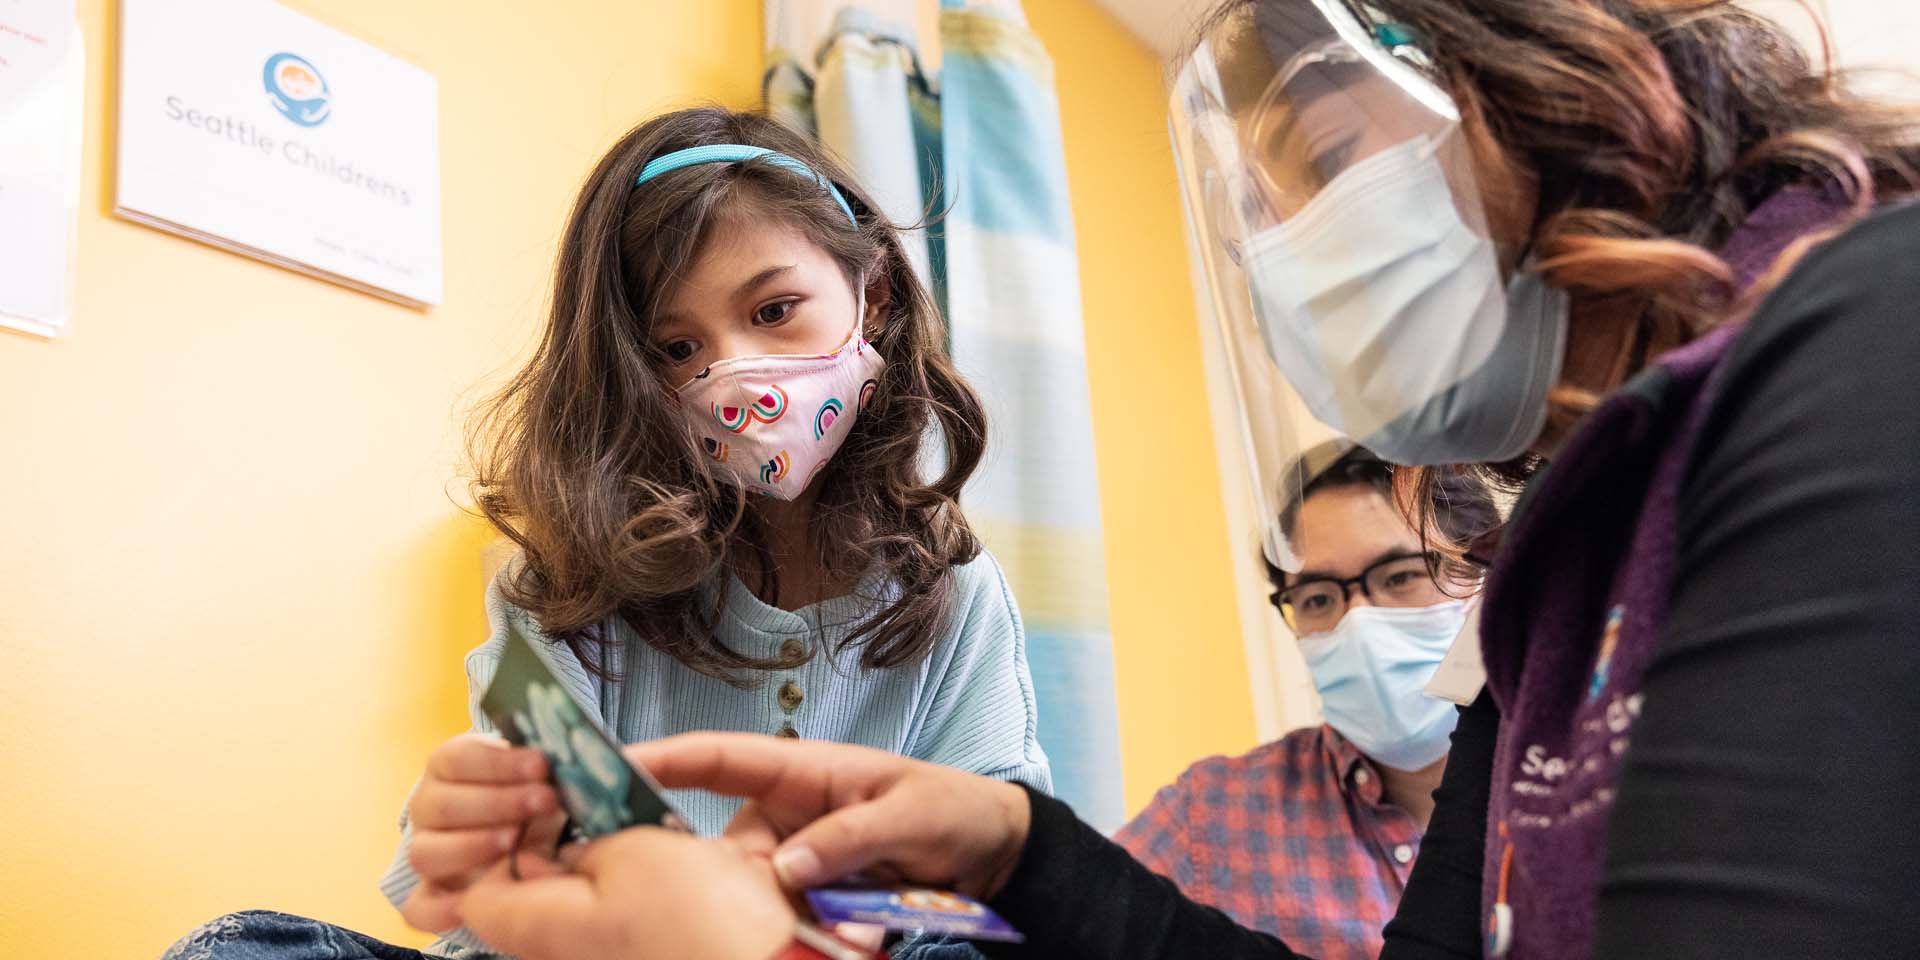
(1646, 131)
(584, 460)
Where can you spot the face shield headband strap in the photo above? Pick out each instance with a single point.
(1393, 36)
(734, 153)
(1389, 47)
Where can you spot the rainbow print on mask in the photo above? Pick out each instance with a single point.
(735, 419)
(771, 406)
(867, 390)
(829, 412)
(775, 470)
(780, 416)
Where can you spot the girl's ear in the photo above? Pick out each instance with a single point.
(879, 298)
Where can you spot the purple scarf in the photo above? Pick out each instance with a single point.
(1573, 612)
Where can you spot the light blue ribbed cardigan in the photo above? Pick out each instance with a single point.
(969, 704)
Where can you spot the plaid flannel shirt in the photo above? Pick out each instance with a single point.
(1295, 839)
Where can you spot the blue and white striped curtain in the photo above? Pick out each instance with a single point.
(985, 134)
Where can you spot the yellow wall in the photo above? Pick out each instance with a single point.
(233, 590)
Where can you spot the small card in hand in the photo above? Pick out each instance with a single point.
(600, 790)
(911, 909)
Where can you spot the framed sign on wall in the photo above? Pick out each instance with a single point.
(43, 80)
(248, 126)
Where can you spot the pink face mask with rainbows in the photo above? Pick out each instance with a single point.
(771, 423)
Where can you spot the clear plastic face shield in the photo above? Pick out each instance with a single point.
(1332, 198)
(1284, 96)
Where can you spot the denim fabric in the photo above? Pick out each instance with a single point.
(934, 947)
(266, 935)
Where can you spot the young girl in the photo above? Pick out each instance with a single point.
(716, 467)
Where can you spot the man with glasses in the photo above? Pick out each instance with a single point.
(1312, 837)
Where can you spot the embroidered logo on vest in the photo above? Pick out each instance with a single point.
(1609, 638)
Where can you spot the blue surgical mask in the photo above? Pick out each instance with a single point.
(1372, 671)
(1386, 313)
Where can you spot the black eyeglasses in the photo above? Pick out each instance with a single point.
(1316, 606)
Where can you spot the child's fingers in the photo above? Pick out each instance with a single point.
(531, 865)
(543, 833)
(445, 854)
(459, 806)
(473, 758)
(430, 909)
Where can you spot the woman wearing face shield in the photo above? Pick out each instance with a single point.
(1637, 255)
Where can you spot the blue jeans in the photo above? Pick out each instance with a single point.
(932, 946)
(266, 935)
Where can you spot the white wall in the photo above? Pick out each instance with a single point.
(1878, 37)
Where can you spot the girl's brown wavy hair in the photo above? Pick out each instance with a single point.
(584, 460)
(1649, 130)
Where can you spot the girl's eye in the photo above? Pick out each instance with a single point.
(774, 313)
(679, 351)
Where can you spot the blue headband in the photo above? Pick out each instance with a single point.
(733, 152)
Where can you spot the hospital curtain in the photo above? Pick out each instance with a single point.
(980, 141)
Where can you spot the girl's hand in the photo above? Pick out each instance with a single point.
(825, 811)
(467, 815)
(636, 894)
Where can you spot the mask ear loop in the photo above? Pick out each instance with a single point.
(860, 310)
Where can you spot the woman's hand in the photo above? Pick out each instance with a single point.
(638, 894)
(466, 816)
(825, 811)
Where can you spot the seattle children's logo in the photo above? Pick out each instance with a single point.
(297, 89)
